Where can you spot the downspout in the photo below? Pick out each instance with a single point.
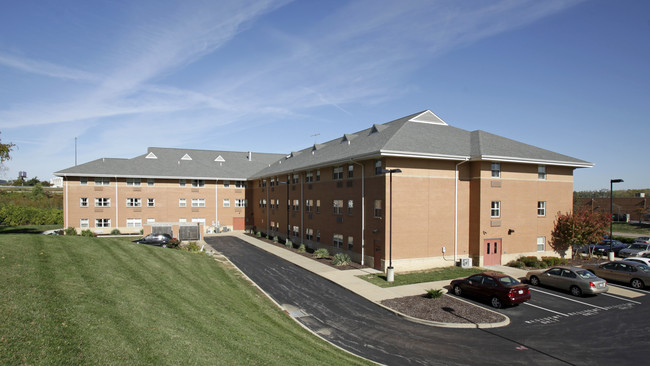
(117, 206)
(216, 204)
(456, 211)
(363, 211)
(302, 205)
(65, 202)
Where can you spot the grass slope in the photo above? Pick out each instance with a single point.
(75, 300)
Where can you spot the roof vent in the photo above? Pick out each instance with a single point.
(250, 156)
(347, 138)
(428, 117)
(186, 157)
(377, 128)
(151, 156)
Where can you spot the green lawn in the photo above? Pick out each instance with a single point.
(447, 273)
(76, 300)
(632, 228)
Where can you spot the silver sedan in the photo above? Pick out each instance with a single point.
(634, 273)
(576, 280)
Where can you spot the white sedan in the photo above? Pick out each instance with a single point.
(644, 260)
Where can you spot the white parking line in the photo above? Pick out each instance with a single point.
(566, 298)
(628, 287)
(621, 298)
(549, 310)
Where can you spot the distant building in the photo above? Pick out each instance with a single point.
(56, 182)
(460, 194)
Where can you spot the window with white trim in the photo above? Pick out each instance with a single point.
(541, 208)
(134, 202)
(337, 206)
(226, 202)
(350, 207)
(182, 202)
(240, 184)
(102, 222)
(198, 202)
(350, 242)
(84, 224)
(541, 172)
(102, 202)
(151, 202)
(198, 183)
(151, 221)
(338, 173)
(308, 205)
(350, 171)
(83, 202)
(309, 234)
(496, 170)
(133, 222)
(182, 220)
(83, 181)
(337, 240)
(296, 179)
(296, 205)
(378, 167)
(102, 181)
(181, 182)
(296, 231)
(309, 177)
(495, 209)
(318, 175)
(226, 183)
(378, 208)
(151, 182)
(133, 182)
(241, 202)
(317, 206)
(541, 243)
(318, 236)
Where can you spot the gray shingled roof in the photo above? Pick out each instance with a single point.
(422, 135)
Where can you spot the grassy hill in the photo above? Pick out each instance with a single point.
(76, 300)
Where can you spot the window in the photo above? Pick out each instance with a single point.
(226, 183)
(296, 179)
(133, 182)
(296, 231)
(541, 241)
(309, 234)
(99, 181)
(318, 236)
(263, 203)
(309, 177)
(83, 201)
(240, 202)
(198, 183)
(541, 172)
(495, 209)
(151, 202)
(133, 202)
(377, 208)
(350, 171)
(350, 206)
(318, 175)
(338, 207)
(182, 202)
(308, 205)
(133, 222)
(337, 240)
(496, 170)
(240, 184)
(84, 182)
(288, 205)
(181, 182)
(102, 222)
(350, 242)
(102, 202)
(541, 208)
(151, 182)
(199, 202)
(83, 223)
(317, 206)
(182, 220)
(151, 221)
(338, 173)
(226, 202)
(378, 167)
(296, 205)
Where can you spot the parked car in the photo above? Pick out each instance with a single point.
(642, 239)
(578, 281)
(500, 289)
(603, 247)
(635, 273)
(644, 260)
(155, 239)
(633, 250)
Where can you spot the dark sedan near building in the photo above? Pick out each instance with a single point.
(155, 239)
(498, 288)
(604, 247)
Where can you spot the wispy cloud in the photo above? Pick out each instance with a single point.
(46, 68)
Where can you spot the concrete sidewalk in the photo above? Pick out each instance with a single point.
(349, 278)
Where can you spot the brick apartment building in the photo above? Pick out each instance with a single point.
(459, 194)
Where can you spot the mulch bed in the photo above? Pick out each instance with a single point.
(445, 309)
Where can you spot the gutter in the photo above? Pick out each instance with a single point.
(456, 210)
(363, 210)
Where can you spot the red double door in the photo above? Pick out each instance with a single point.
(491, 252)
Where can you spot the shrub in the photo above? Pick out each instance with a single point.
(88, 233)
(341, 259)
(258, 234)
(321, 253)
(115, 232)
(173, 243)
(516, 264)
(289, 244)
(554, 261)
(192, 247)
(70, 231)
(275, 239)
(434, 294)
(530, 261)
(302, 248)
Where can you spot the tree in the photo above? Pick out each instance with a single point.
(578, 228)
(5, 149)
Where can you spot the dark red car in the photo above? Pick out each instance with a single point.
(500, 289)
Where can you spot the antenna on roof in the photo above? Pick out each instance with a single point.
(314, 136)
(75, 151)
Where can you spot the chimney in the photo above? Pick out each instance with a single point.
(250, 156)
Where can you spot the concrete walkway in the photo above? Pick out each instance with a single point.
(349, 278)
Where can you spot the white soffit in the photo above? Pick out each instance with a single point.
(428, 117)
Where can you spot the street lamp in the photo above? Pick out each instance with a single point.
(390, 272)
(611, 214)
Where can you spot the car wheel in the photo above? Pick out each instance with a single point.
(576, 291)
(457, 290)
(637, 283)
(496, 303)
(534, 281)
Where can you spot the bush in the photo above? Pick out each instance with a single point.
(192, 247)
(516, 264)
(173, 243)
(70, 231)
(115, 232)
(530, 261)
(258, 234)
(321, 253)
(341, 259)
(554, 261)
(434, 294)
(289, 244)
(275, 239)
(302, 248)
(88, 233)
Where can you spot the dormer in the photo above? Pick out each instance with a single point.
(151, 156)
(220, 159)
(429, 118)
(186, 157)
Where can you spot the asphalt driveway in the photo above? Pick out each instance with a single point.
(363, 328)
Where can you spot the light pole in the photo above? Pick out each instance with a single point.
(611, 214)
(390, 272)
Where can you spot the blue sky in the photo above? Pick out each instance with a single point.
(568, 76)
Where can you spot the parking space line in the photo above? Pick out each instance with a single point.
(621, 298)
(628, 288)
(566, 298)
(549, 310)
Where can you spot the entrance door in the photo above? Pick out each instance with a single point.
(238, 223)
(491, 252)
(377, 254)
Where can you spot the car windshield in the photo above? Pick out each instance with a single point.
(509, 281)
(585, 274)
(638, 246)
